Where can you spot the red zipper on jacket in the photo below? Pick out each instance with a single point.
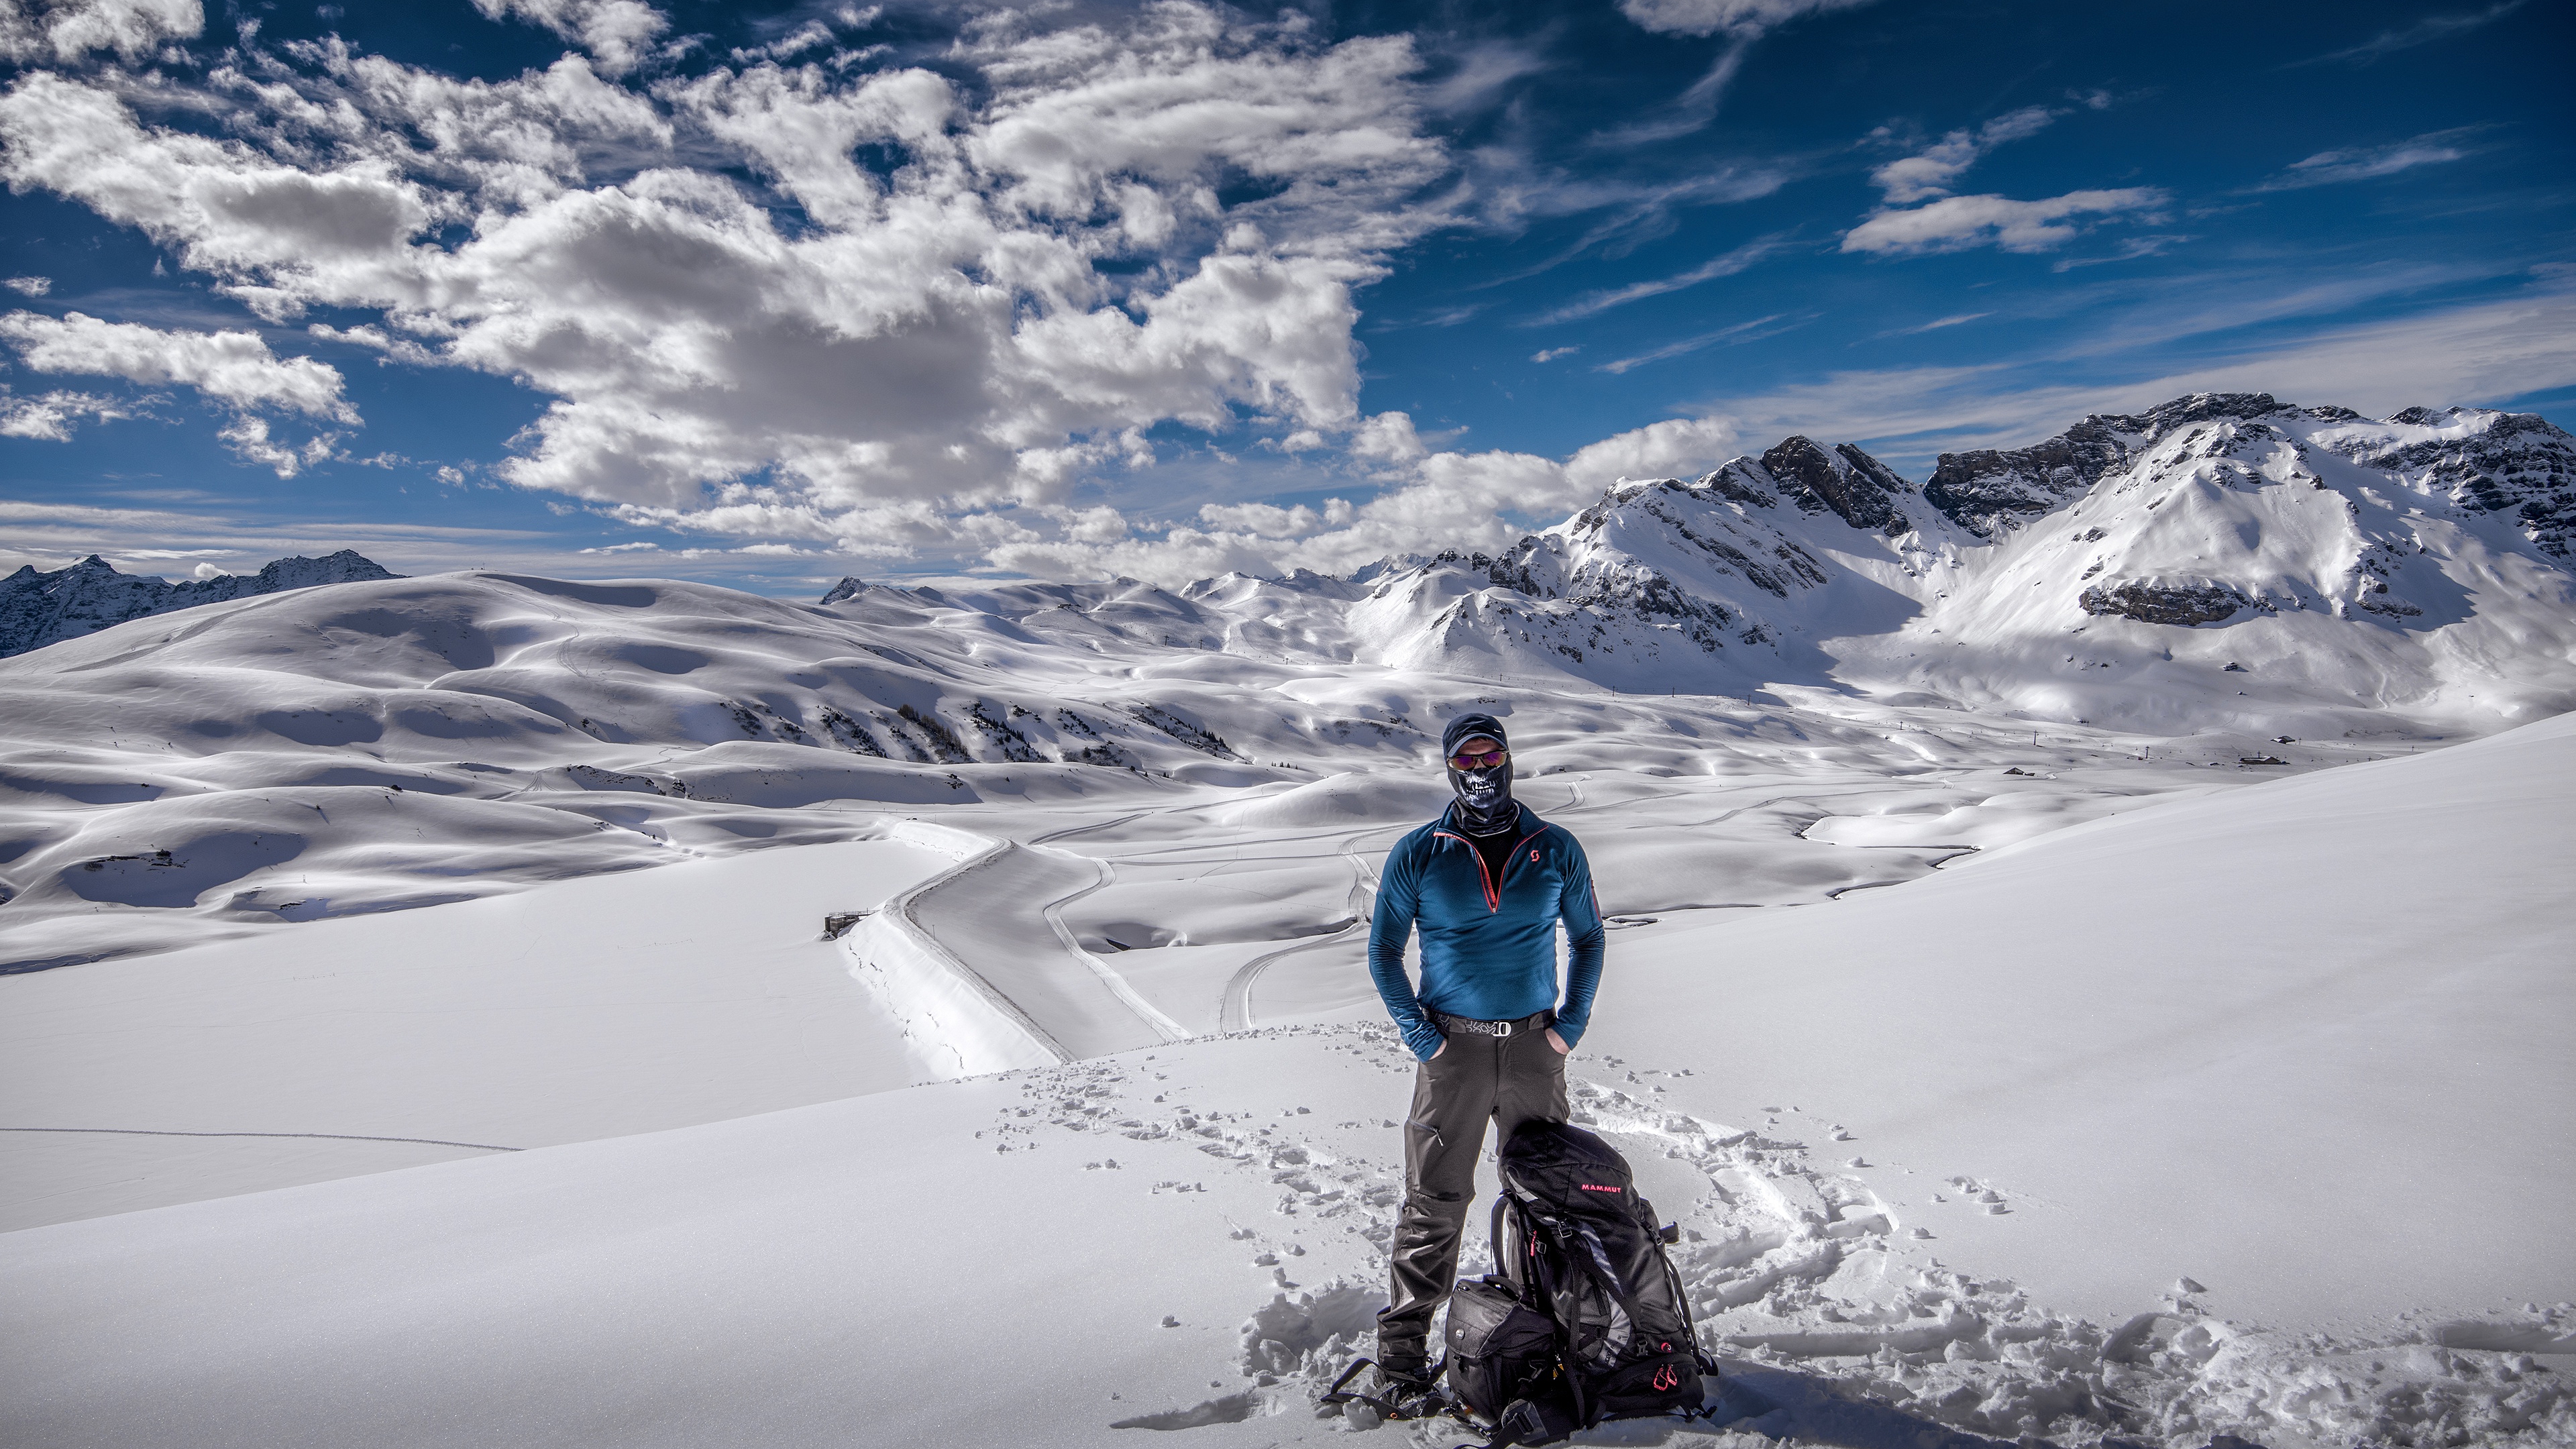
(1493, 887)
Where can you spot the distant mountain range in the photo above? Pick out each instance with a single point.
(2379, 561)
(2151, 570)
(39, 608)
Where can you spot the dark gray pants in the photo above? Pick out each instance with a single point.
(1505, 1080)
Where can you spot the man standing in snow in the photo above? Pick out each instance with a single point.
(1486, 883)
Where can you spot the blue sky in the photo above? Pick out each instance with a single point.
(596, 287)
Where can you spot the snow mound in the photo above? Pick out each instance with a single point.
(1350, 798)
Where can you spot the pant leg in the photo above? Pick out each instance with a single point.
(1453, 1099)
(1530, 1086)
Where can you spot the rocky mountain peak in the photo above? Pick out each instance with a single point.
(38, 607)
(1858, 488)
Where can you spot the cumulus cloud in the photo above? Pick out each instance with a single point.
(619, 34)
(2364, 163)
(1439, 499)
(64, 31)
(233, 367)
(1124, 221)
(51, 416)
(249, 438)
(1743, 19)
(1959, 222)
(1673, 448)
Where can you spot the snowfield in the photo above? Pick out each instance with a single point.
(2088, 962)
(1957, 1153)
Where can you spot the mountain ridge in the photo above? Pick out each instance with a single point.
(38, 607)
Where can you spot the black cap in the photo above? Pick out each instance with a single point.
(1467, 726)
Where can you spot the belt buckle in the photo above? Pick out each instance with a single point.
(1502, 1028)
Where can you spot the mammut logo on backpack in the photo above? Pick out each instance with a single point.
(1595, 1187)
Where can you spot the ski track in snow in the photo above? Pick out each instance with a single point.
(1832, 1317)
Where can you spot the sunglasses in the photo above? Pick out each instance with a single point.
(1486, 761)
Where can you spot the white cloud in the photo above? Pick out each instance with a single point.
(1743, 19)
(67, 30)
(1048, 271)
(1388, 437)
(1937, 323)
(1954, 223)
(51, 416)
(1930, 171)
(29, 286)
(1958, 222)
(2483, 354)
(1551, 354)
(1441, 500)
(1673, 448)
(1266, 520)
(618, 33)
(249, 438)
(233, 367)
(2363, 163)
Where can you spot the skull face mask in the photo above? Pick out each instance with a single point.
(1484, 790)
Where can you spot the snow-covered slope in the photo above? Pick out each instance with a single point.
(2196, 1045)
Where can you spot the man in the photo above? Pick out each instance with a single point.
(1486, 883)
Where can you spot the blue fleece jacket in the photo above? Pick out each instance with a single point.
(1488, 947)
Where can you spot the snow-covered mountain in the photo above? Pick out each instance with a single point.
(39, 608)
(2209, 575)
(2149, 569)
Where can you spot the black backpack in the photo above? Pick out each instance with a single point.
(1587, 1319)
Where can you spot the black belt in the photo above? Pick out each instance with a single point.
(1536, 1022)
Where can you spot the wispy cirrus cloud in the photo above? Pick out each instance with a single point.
(1742, 22)
(2406, 37)
(2481, 353)
(1725, 264)
(1737, 335)
(2364, 163)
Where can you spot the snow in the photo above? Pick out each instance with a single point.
(2020, 1057)
(587, 1008)
(2351, 1150)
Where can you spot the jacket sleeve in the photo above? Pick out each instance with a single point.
(1580, 909)
(1398, 897)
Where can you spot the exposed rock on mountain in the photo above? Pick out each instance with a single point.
(2516, 463)
(2184, 605)
(39, 608)
(1857, 487)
